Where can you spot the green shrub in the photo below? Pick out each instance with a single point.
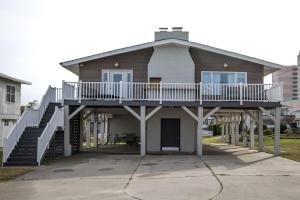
(215, 128)
(268, 132)
(283, 127)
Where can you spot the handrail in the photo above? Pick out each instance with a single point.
(30, 117)
(44, 139)
(128, 91)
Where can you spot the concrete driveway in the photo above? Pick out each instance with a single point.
(227, 173)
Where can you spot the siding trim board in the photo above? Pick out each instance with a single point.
(206, 104)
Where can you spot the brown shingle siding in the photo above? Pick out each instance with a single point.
(207, 61)
(137, 60)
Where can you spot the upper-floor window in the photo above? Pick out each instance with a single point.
(117, 75)
(223, 77)
(10, 93)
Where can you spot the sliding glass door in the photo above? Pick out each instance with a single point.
(114, 77)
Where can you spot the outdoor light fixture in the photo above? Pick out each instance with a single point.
(116, 64)
(225, 64)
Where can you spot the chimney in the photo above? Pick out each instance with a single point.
(299, 59)
(176, 33)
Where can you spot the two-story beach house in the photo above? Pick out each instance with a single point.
(149, 98)
(10, 103)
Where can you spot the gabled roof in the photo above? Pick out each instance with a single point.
(14, 79)
(73, 65)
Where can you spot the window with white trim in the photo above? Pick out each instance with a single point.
(223, 77)
(10, 93)
(117, 75)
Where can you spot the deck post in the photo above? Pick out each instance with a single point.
(143, 130)
(95, 131)
(277, 132)
(80, 91)
(237, 132)
(222, 130)
(232, 131)
(121, 91)
(160, 92)
(88, 134)
(260, 132)
(102, 129)
(62, 92)
(241, 93)
(251, 133)
(199, 130)
(226, 131)
(81, 131)
(67, 145)
(200, 96)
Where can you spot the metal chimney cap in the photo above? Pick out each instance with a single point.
(177, 28)
(163, 28)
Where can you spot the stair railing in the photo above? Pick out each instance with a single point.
(30, 117)
(56, 121)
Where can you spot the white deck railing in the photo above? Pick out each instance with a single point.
(131, 91)
(56, 121)
(30, 117)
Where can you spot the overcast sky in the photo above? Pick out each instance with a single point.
(36, 35)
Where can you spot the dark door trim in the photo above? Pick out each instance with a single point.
(161, 129)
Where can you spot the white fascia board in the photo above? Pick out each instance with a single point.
(176, 42)
(14, 79)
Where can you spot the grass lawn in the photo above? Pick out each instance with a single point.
(11, 172)
(289, 148)
(211, 139)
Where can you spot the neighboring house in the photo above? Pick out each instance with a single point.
(10, 100)
(157, 94)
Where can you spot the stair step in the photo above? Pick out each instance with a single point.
(11, 164)
(21, 159)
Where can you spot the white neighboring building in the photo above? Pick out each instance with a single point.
(10, 103)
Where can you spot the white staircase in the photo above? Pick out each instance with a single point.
(32, 119)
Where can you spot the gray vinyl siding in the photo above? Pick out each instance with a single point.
(136, 60)
(187, 130)
(207, 61)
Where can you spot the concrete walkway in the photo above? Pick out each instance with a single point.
(228, 172)
(247, 174)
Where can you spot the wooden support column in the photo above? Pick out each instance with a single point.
(226, 131)
(67, 145)
(105, 128)
(232, 131)
(237, 133)
(81, 131)
(251, 133)
(88, 135)
(199, 131)
(95, 130)
(277, 132)
(260, 132)
(222, 131)
(142, 118)
(143, 130)
(102, 129)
